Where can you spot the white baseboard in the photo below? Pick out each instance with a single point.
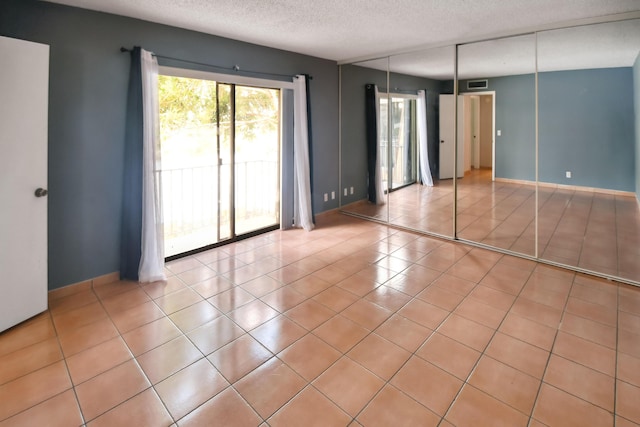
(568, 187)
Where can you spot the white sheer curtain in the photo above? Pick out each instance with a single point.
(302, 216)
(151, 267)
(425, 170)
(379, 190)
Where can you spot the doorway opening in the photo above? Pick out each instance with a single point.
(476, 127)
(220, 173)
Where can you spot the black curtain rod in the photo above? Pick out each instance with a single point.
(235, 68)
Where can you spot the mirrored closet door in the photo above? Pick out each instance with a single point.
(533, 150)
(589, 147)
(364, 145)
(496, 168)
(421, 192)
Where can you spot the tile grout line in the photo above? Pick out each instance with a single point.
(248, 332)
(182, 333)
(451, 312)
(567, 197)
(342, 354)
(310, 383)
(74, 386)
(360, 298)
(475, 365)
(134, 357)
(372, 331)
(591, 341)
(66, 366)
(206, 357)
(557, 221)
(533, 219)
(615, 223)
(274, 355)
(555, 337)
(615, 369)
(386, 382)
(412, 354)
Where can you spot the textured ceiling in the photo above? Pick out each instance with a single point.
(613, 44)
(342, 30)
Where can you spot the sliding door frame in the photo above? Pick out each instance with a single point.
(285, 151)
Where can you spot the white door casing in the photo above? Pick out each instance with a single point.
(24, 92)
(466, 131)
(475, 138)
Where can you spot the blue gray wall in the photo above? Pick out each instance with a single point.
(636, 104)
(586, 126)
(87, 99)
(354, 148)
(515, 119)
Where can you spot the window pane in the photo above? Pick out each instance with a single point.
(257, 151)
(189, 162)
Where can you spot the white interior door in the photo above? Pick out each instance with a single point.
(447, 111)
(24, 92)
(446, 136)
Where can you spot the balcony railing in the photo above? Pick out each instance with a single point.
(196, 202)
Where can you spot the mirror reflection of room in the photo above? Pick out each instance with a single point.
(407, 139)
(589, 182)
(496, 199)
(364, 188)
(547, 144)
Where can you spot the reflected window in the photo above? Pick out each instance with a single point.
(399, 167)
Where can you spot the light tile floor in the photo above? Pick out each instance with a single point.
(594, 231)
(353, 323)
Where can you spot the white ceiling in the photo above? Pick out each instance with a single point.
(343, 30)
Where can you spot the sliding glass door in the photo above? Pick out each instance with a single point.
(399, 169)
(256, 158)
(220, 146)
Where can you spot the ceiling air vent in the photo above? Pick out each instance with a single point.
(478, 84)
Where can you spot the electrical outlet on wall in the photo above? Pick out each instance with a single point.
(326, 197)
(333, 195)
(351, 190)
(567, 174)
(345, 191)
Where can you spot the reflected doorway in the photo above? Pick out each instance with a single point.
(498, 213)
(476, 128)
